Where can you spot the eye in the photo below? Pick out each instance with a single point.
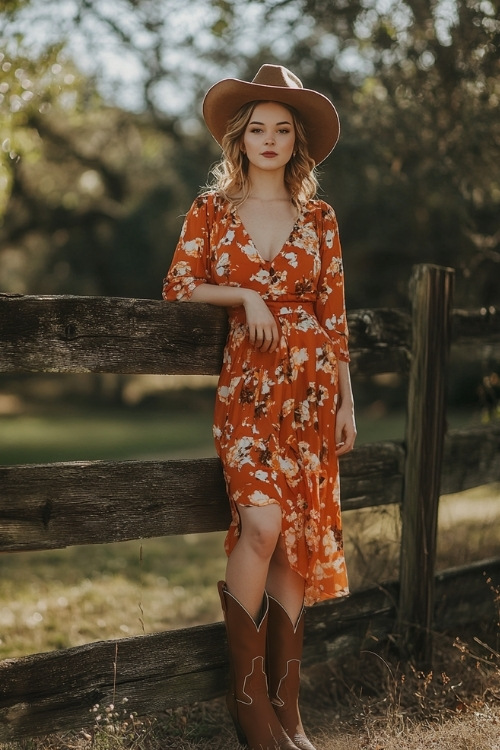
(256, 130)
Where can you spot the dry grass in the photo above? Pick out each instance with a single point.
(62, 598)
(468, 530)
(369, 702)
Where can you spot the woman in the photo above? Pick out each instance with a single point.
(259, 244)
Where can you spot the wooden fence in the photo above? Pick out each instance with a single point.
(57, 505)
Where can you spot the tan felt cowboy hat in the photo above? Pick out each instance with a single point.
(277, 84)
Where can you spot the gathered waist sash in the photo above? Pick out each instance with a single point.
(290, 307)
(277, 307)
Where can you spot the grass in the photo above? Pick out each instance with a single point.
(368, 702)
(61, 598)
(71, 435)
(55, 599)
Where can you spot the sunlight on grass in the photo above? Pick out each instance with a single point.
(60, 598)
(468, 530)
(103, 435)
(468, 526)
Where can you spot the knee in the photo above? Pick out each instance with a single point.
(261, 530)
(263, 541)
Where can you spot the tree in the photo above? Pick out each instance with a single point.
(417, 171)
(93, 195)
(415, 177)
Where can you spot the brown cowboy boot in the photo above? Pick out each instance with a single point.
(248, 701)
(284, 654)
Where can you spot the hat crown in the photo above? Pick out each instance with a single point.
(277, 75)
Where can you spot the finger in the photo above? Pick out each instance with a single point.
(339, 435)
(345, 446)
(269, 335)
(252, 334)
(270, 345)
(340, 447)
(259, 339)
(266, 344)
(274, 344)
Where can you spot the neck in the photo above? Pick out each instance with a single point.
(268, 186)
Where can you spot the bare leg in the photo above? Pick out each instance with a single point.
(284, 584)
(248, 564)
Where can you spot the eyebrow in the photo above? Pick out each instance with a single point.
(256, 122)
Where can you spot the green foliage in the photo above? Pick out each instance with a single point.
(92, 195)
(416, 175)
(103, 434)
(10, 7)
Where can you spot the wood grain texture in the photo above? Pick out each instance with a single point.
(51, 506)
(115, 335)
(56, 505)
(432, 294)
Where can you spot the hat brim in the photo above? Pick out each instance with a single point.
(318, 115)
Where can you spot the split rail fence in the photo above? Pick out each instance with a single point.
(94, 502)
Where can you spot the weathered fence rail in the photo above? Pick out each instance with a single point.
(51, 506)
(57, 505)
(115, 335)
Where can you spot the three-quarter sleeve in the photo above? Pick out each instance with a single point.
(190, 263)
(330, 303)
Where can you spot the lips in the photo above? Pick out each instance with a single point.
(269, 154)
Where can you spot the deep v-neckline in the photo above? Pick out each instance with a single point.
(245, 231)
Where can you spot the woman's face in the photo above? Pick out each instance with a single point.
(269, 138)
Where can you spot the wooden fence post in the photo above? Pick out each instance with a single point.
(431, 292)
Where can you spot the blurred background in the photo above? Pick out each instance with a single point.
(103, 149)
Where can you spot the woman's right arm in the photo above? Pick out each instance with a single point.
(262, 327)
(190, 278)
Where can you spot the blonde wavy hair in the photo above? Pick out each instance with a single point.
(230, 175)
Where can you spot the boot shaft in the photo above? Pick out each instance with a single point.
(284, 653)
(248, 700)
(284, 656)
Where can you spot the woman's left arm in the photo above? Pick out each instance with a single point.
(345, 426)
(331, 312)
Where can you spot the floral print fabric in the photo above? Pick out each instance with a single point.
(274, 421)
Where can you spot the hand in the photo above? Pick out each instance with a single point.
(345, 429)
(263, 331)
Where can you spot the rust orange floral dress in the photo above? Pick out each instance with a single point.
(274, 421)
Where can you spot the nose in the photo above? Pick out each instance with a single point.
(270, 138)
